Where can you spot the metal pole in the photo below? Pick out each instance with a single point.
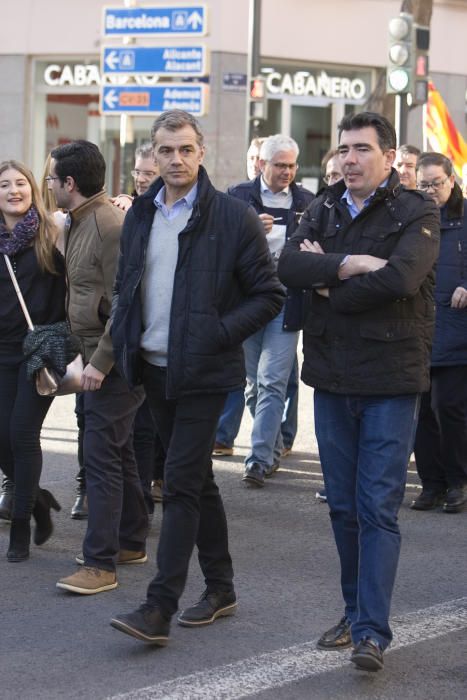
(253, 64)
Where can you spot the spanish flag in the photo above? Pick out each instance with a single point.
(441, 132)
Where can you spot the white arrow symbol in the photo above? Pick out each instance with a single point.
(110, 99)
(111, 60)
(195, 20)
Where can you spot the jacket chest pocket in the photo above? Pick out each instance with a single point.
(379, 239)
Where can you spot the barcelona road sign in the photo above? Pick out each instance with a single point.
(154, 99)
(163, 60)
(159, 20)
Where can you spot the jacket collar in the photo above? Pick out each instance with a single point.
(144, 204)
(454, 207)
(88, 206)
(295, 190)
(392, 188)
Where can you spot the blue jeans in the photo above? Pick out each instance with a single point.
(269, 357)
(231, 418)
(364, 445)
(290, 417)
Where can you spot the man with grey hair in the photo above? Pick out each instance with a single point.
(195, 279)
(145, 170)
(406, 165)
(270, 352)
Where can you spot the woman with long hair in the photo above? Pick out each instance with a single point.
(27, 236)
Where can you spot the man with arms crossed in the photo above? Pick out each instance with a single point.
(366, 246)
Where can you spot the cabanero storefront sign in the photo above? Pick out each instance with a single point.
(87, 75)
(304, 83)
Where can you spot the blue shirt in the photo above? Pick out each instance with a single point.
(352, 207)
(185, 202)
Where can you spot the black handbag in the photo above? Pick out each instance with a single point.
(48, 381)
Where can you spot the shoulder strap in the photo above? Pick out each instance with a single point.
(19, 293)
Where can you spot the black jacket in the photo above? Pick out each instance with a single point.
(450, 340)
(250, 192)
(373, 334)
(43, 292)
(225, 289)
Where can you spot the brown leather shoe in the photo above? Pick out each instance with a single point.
(89, 580)
(336, 638)
(125, 556)
(220, 450)
(156, 490)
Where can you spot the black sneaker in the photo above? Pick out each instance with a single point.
(368, 655)
(427, 500)
(146, 623)
(455, 500)
(254, 476)
(336, 638)
(210, 606)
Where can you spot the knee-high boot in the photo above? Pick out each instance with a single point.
(7, 493)
(20, 536)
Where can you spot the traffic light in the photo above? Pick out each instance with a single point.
(258, 98)
(420, 77)
(400, 63)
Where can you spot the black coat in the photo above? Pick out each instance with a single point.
(225, 289)
(373, 334)
(450, 340)
(43, 292)
(250, 192)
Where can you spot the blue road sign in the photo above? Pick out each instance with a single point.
(164, 60)
(154, 99)
(168, 20)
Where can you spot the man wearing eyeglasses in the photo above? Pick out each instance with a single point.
(117, 519)
(270, 353)
(144, 174)
(441, 440)
(145, 170)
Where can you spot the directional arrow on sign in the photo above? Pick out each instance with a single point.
(111, 99)
(195, 20)
(112, 60)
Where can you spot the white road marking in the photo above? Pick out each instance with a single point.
(266, 671)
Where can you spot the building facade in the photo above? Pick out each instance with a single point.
(320, 60)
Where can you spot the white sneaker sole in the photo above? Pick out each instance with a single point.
(222, 612)
(86, 591)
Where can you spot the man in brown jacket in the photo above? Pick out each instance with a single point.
(117, 521)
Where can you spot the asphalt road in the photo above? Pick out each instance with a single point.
(56, 645)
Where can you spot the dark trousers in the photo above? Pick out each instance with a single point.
(79, 412)
(193, 512)
(149, 451)
(22, 412)
(441, 439)
(117, 514)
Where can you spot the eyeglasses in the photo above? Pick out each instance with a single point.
(285, 166)
(147, 174)
(51, 178)
(435, 185)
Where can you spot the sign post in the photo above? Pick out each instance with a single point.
(166, 61)
(157, 21)
(153, 99)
